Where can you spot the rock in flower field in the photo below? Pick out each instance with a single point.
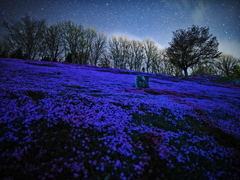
(66, 121)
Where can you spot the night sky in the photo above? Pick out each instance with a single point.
(137, 19)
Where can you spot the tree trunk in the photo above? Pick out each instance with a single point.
(73, 57)
(186, 73)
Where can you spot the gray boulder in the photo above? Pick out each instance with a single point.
(141, 81)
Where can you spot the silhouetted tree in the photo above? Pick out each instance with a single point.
(96, 44)
(119, 51)
(151, 53)
(162, 65)
(226, 63)
(54, 42)
(192, 46)
(132, 54)
(205, 69)
(17, 54)
(69, 58)
(27, 35)
(136, 55)
(236, 71)
(73, 39)
(3, 49)
(105, 60)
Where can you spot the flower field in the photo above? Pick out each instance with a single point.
(66, 121)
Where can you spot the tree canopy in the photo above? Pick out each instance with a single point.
(192, 46)
(226, 64)
(26, 34)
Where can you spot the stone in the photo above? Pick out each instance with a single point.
(141, 81)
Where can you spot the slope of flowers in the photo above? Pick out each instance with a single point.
(65, 121)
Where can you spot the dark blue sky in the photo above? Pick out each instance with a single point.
(139, 19)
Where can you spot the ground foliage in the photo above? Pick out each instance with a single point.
(65, 121)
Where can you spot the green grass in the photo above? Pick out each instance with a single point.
(226, 79)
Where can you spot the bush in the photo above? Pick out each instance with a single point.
(17, 54)
(204, 70)
(236, 71)
(69, 58)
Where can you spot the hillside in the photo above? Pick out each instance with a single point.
(66, 121)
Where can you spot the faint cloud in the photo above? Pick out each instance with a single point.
(184, 5)
(180, 5)
(199, 8)
(229, 47)
(199, 13)
(128, 35)
(159, 45)
(133, 37)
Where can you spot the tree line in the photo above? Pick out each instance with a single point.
(193, 48)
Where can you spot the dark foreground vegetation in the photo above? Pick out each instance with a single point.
(66, 121)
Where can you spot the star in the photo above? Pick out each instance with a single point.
(142, 19)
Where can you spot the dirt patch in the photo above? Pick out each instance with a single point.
(165, 92)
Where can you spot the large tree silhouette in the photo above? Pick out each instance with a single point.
(192, 46)
(26, 35)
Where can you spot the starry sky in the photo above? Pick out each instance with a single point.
(137, 19)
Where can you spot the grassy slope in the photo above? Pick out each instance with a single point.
(67, 121)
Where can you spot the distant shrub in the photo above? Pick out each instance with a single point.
(3, 54)
(17, 54)
(236, 71)
(47, 58)
(207, 69)
(228, 80)
(226, 64)
(69, 58)
(35, 95)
